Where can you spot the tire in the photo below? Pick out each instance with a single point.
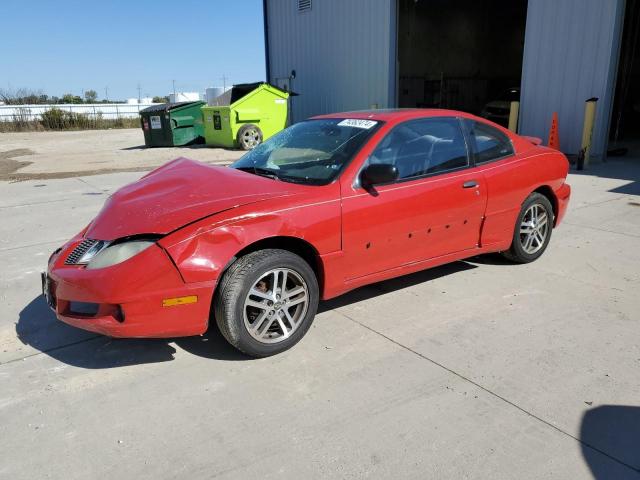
(249, 136)
(526, 246)
(255, 324)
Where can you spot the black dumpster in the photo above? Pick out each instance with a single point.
(172, 124)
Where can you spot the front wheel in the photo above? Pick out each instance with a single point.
(266, 302)
(532, 230)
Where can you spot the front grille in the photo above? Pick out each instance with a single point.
(77, 253)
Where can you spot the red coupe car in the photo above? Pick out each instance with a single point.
(326, 206)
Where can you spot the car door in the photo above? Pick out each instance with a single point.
(434, 208)
(495, 158)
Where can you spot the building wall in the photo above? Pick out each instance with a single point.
(570, 55)
(343, 53)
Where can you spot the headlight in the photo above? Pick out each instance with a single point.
(117, 253)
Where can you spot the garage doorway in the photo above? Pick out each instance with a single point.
(461, 54)
(624, 133)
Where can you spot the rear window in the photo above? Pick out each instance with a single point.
(487, 143)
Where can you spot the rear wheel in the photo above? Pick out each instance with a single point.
(532, 230)
(249, 136)
(266, 302)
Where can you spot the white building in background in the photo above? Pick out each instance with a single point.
(185, 97)
(143, 101)
(211, 93)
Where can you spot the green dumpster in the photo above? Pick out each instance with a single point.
(245, 115)
(172, 124)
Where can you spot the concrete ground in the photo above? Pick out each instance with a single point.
(47, 155)
(478, 369)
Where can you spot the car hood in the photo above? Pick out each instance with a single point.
(176, 194)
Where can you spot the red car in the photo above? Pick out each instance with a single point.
(326, 206)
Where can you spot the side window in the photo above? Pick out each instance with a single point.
(422, 147)
(487, 143)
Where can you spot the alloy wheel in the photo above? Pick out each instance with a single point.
(276, 305)
(534, 228)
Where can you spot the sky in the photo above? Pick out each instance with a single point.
(69, 46)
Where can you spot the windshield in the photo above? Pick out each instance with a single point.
(313, 151)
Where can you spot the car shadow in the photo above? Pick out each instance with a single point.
(610, 441)
(38, 327)
(491, 259)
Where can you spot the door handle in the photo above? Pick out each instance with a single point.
(470, 184)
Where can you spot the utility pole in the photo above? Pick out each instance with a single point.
(224, 82)
(174, 90)
(106, 93)
(139, 96)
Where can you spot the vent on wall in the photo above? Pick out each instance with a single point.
(304, 5)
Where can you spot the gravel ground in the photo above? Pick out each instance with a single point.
(47, 155)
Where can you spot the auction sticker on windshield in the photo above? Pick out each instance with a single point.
(358, 123)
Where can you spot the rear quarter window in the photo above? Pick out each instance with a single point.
(487, 143)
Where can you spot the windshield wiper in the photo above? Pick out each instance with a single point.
(263, 172)
(301, 180)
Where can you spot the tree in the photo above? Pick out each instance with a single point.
(22, 96)
(160, 99)
(90, 96)
(71, 98)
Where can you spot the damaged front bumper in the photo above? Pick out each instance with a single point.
(144, 296)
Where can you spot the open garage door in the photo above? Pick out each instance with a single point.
(461, 54)
(624, 133)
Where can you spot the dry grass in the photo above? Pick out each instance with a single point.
(57, 119)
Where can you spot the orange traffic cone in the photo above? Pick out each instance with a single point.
(554, 138)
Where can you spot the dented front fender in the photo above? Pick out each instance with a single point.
(202, 250)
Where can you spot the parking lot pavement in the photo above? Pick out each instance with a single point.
(478, 369)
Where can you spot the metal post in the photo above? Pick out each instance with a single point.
(587, 131)
(513, 116)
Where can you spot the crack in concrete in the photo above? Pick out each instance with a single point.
(36, 203)
(52, 349)
(632, 235)
(595, 204)
(93, 187)
(8, 249)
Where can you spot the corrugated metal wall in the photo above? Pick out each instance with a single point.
(343, 52)
(570, 55)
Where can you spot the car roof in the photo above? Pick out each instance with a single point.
(397, 114)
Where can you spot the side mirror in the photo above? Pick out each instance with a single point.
(378, 173)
